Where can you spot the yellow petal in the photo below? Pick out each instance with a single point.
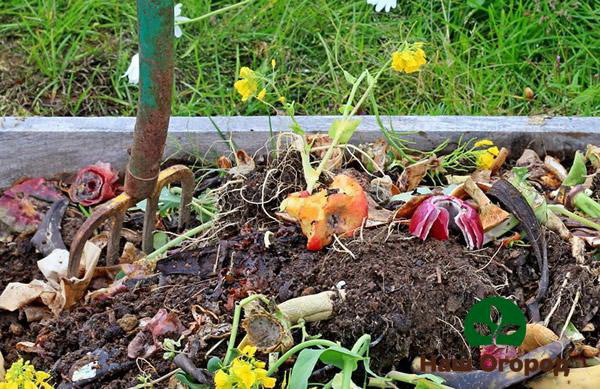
(249, 350)
(268, 382)
(243, 373)
(273, 64)
(246, 72)
(484, 142)
(398, 61)
(281, 99)
(222, 380)
(246, 88)
(262, 94)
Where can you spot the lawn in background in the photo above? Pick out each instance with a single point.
(66, 57)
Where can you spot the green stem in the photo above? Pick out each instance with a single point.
(385, 133)
(236, 323)
(587, 204)
(347, 373)
(359, 346)
(571, 215)
(297, 348)
(352, 93)
(175, 242)
(324, 160)
(369, 88)
(215, 12)
(409, 378)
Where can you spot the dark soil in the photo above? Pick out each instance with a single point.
(411, 296)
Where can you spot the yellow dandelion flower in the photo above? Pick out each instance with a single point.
(281, 99)
(486, 157)
(244, 374)
(273, 64)
(222, 380)
(248, 85)
(262, 94)
(410, 59)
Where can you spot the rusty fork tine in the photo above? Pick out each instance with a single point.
(114, 238)
(173, 174)
(114, 208)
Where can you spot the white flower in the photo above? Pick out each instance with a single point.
(179, 18)
(133, 71)
(383, 4)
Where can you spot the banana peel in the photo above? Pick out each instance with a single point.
(581, 378)
(339, 209)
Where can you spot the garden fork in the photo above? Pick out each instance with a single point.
(143, 178)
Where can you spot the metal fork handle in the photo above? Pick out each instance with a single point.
(156, 24)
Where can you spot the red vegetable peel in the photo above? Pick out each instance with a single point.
(436, 215)
(94, 184)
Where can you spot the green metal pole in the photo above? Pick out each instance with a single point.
(155, 19)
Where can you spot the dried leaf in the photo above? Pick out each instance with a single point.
(413, 174)
(536, 335)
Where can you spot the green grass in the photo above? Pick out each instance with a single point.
(66, 57)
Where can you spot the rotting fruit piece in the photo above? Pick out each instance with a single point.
(340, 209)
(438, 214)
(94, 184)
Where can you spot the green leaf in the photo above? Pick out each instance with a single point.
(303, 368)
(343, 130)
(349, 77)
(189, 382)
(308, 358)
(336, 356)
(577, 172)
(296, 129)
(214, 364)
(342, 108)
(573, 333)
(166, 201)
(159, 239)
(336, 382)
(370, 79)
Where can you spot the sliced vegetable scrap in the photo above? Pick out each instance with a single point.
(94, 184)
(340, 209)
(436, 215)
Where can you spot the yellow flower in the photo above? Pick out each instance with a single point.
(22, 375)
(410, 59)
(262, 94)
(249, 351)
(273, 64)
(222, 380)
(281, 99)
(486, 157)
(244, 373)
(267, 382)
(248, 85)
